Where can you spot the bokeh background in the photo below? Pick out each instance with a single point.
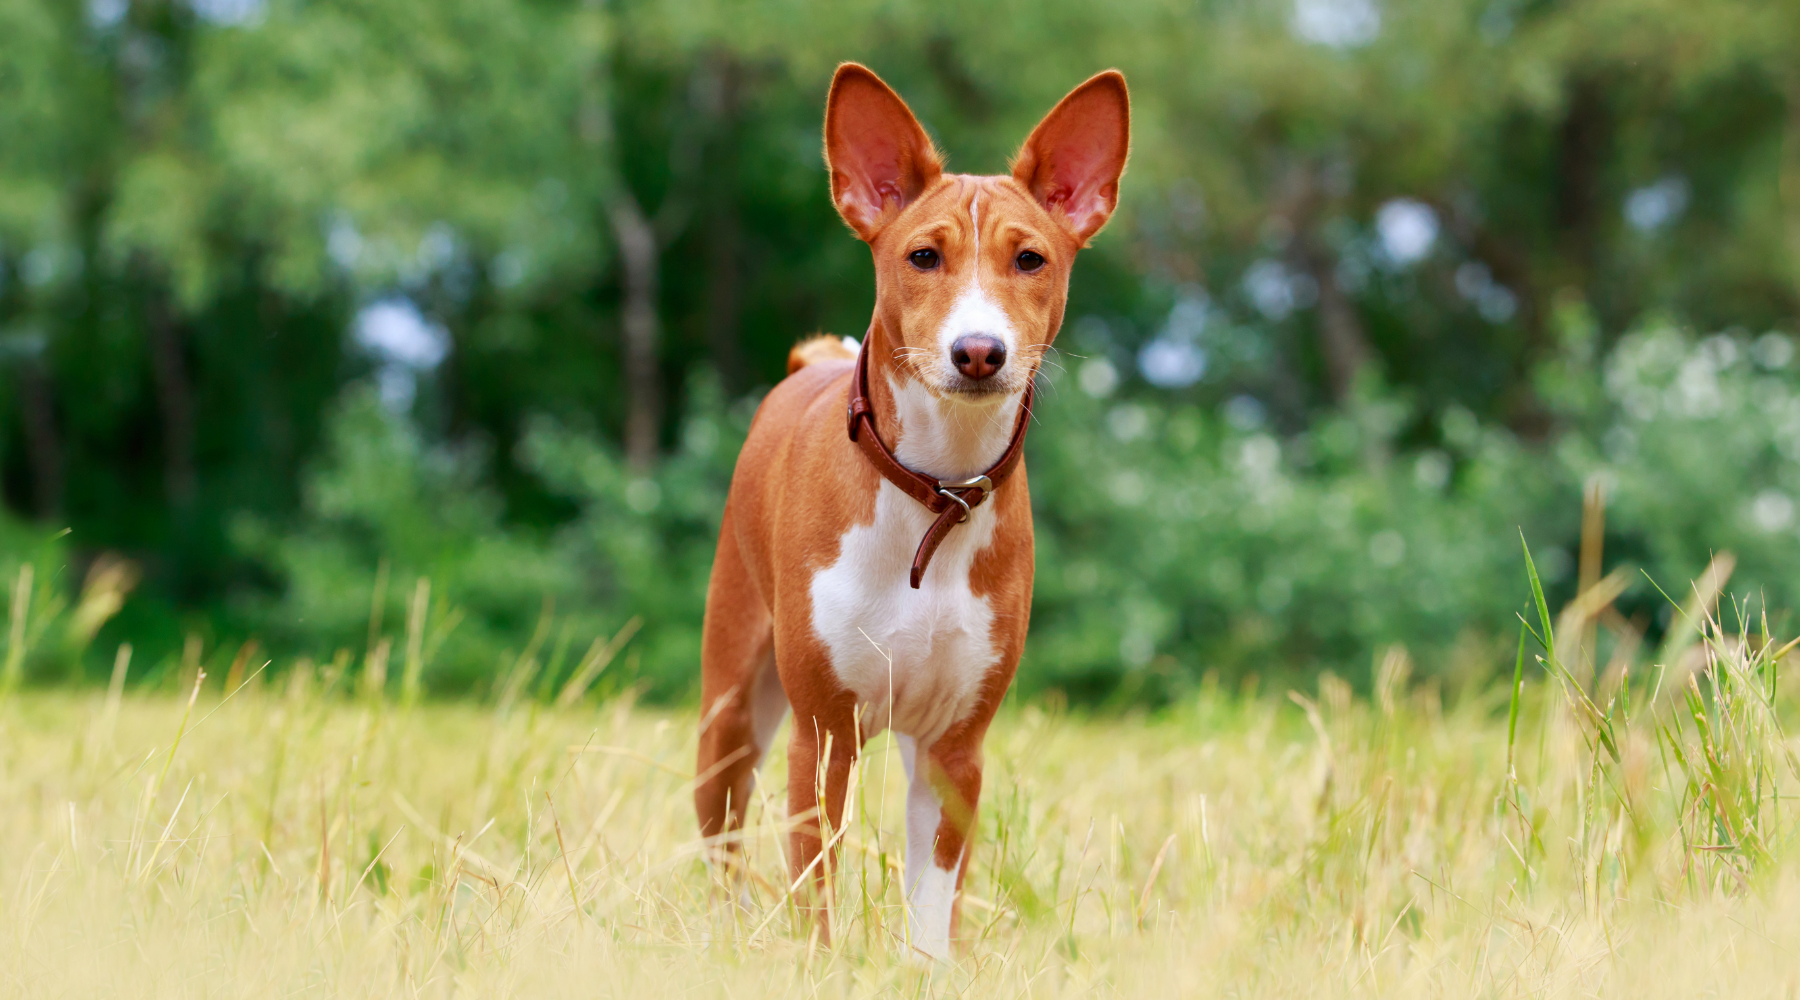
(321, 318)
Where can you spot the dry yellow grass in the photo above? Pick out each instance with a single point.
(300, 845)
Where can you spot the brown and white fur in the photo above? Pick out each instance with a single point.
(809, 607)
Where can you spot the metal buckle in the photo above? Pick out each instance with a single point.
(982, 483)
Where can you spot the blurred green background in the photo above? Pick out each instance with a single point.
(302, 303)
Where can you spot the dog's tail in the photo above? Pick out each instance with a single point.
(822, 347)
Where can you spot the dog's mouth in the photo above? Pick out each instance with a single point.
(944, 380)
(985, 389)
(955, 385)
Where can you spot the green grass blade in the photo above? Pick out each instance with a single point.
(1537, 595)
(1512, 711)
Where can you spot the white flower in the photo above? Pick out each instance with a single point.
(1407, 229)
(1340, 24)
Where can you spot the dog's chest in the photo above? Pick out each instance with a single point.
(914, 658)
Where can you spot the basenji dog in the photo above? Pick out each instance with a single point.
(875, 558)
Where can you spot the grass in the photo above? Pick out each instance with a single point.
(1551, 837)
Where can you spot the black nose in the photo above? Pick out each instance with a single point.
(978, 355)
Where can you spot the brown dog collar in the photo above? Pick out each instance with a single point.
(951, 500)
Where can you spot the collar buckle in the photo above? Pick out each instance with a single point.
(982, 483)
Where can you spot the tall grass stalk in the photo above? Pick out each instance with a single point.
(1719, 737)
(18, 613)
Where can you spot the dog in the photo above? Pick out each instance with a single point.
(874, 565)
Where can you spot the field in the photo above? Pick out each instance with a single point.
(298, 839)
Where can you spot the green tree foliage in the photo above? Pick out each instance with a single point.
(1357, 236)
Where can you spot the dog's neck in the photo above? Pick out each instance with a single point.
(941, 437)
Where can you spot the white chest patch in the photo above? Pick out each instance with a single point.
(914, 658)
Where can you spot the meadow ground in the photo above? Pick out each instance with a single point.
(295, 841)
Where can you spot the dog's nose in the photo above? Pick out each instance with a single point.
(978, 355)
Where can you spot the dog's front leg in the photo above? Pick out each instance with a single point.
(943, 789)
(821, 754)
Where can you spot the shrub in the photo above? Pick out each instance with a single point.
(1174, 540)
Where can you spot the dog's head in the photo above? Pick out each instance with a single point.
(972, 273)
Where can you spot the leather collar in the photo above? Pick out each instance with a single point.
(951, 500)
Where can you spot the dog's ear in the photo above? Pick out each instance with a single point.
(1074, 157)
(879, 156)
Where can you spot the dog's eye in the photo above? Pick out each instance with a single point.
(924, 260)
(1030, 260)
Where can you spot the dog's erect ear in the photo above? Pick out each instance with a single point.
(879, 156)
(1074, 157)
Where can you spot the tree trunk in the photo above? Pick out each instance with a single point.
(638, 258)
(175, 398)
(640, 250)
(1790, 181)
(724, 246)
(723, 261)
(1581, 145)
(1342, 342)
(43, 444)
(1341, 337)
